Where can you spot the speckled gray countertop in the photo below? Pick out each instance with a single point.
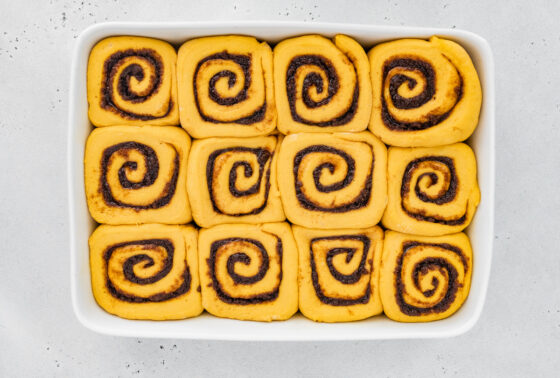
(518, 334)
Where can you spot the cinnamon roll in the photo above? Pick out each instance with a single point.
(233, 180)
(424, 278)
(146, 272)
(425, 93)
(249, 272)
(339, 273)
(137, 174)
(432, 190)
(333, 180)
(225, 87)
(321, 85)
(132, 81)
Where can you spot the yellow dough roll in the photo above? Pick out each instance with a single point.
(339, 273)
(425, 93)
(431, 190)
(137, 174)
(233, 180)
(424, 278)
(226, 87)
(321, 85)
(132, 80)
(333, 180)
(146, 272)
(249, 272)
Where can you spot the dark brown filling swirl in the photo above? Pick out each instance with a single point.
(445, 196)
(110, 69)
(427, 71)
(152, 171)
(244, 61)
(315, 80)
(263, 156)
(361, 200)
(347, 279)
(243, 258)
(146, 261)
(426, 265)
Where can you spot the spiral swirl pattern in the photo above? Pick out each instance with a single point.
(339, 273)
(317, 84)
(249, 271)
(122, 163)
(137, 174)
(148, 264)
(321, 85)
(426, 93)
(424, 278)
(409, 84)
(428, 276)
(146, 271)
(131, 78)
(433, 180)
(341, 168)
(432, 191)
(234, 181)
(238, 267)
(346, 259)
(229, 86)
(225, 87)
(248, 177)
(132, 81)
(332, 175)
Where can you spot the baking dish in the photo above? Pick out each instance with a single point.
(298, 328)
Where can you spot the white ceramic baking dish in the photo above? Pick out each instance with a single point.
(297, 328)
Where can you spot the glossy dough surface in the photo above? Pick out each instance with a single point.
(225, 87)
(432, 190)
(132, 80)
(146, 272)
(333, 180)
(321, 85)
(137, 174)
(249, 272)
(233, 180)
(424, 278)
(425, 93)
(339, 273)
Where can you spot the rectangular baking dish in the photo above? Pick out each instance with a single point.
(298, 328)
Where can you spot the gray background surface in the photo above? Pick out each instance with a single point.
(519, 331)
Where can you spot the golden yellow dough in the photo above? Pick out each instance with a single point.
(132, 80)
(233, 180)
(321, 85)
(249, 272)
(432, 190)
(333, 180)
(339, 273)
(137, 174)
(425, 93)
(225, 87)
(424, 278)
(146, 272)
